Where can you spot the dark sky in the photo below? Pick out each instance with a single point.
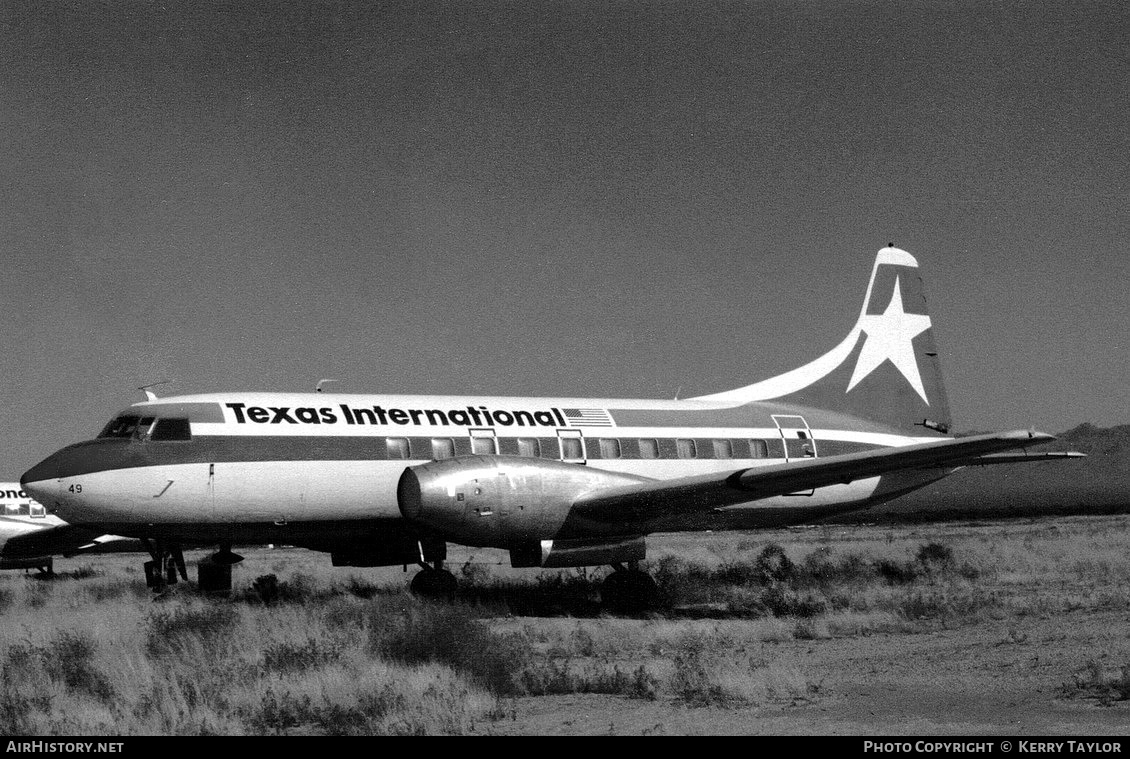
(610, 199)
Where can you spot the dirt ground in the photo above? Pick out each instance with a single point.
(1011, 675)
(985, 679)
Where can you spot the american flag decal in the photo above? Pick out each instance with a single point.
(587, 417)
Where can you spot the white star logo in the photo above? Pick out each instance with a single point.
(889, 337)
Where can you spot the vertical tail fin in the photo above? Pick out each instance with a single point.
(885, 370)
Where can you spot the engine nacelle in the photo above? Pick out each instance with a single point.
(499, 501)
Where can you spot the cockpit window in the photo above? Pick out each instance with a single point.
(122, 426)
(139, 426)
(171, 429)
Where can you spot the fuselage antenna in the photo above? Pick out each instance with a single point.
(149, 394)
(321, 382)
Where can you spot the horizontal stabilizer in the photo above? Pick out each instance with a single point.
(650, 500)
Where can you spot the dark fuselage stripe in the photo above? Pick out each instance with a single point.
(110, 453)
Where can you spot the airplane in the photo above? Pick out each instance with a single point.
(30, 538)
(384, 480)
(21, 516)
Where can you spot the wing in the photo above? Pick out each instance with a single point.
(1020, 458)
(649, 500)
(47, 541)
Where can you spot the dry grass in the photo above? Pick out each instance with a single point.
(91, 652)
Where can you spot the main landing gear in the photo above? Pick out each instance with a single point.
(166, 565)
(215, 570)
(434, 582)
(629, 590)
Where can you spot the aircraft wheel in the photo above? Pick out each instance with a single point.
(627, 591)
(436, 584)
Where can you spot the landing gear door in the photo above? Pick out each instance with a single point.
(797, 440)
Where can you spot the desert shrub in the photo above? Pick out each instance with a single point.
(22, 692)
(935, 558)
(473, 574)
(169, 631)
(277, 713)
(269, 589)
(345, 614)
(287, 658)
(450, 635)
(102, 592)
(574, 593)
(85, 572)
(677, 577)
(69, 659)
(818, 568)
(738, 573)
(582, 641)
(896, 573)
(812, 629)
(782, 602)
(934, 554)
(693, 677)
(1098, 682)
(358, 588)
(945, 604)
(774, 565)
(398, 707)
(564, 677)
(1120, 685)
(39, 591)
(20, 704)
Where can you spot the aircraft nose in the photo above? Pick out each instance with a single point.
(44, 471)
(42, 480)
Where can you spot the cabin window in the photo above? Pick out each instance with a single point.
(528, 446)
(649, 448)
(686, 448)
(122, 426)
(171, 429)
(397, 447)
(443, 448)
(758, 449)
(37, 510)
(571, 448)
(609, 448)
(723, 449)
(484, 446)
